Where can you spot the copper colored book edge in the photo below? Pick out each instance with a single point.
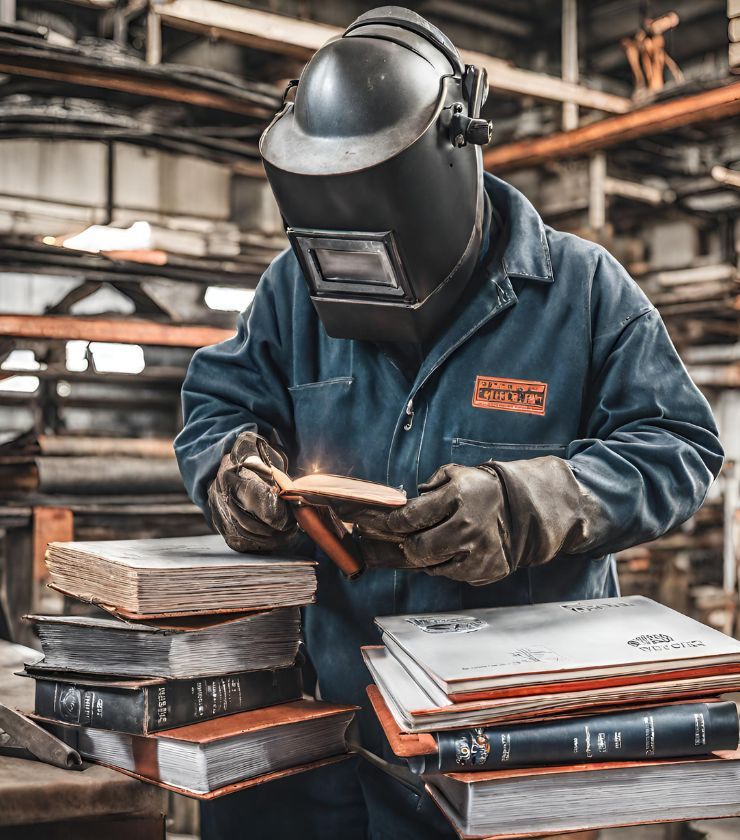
(597, 682)
(127, 615)
(403, 744)
(569, 688)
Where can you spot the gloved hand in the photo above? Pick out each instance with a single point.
(245, 509)
(479, 524)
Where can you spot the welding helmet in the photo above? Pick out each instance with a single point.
(377, 169)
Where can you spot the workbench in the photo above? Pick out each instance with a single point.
(39, 801)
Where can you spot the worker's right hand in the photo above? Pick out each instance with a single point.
(245, 508)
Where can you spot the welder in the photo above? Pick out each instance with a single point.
(428, 331)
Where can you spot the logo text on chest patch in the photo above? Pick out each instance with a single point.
(510, 394)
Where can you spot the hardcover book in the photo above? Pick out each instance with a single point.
(151, 705)
(625, 734)
(505, 651)
(173, 576)
(192, 647)
(548, 800)
(215, 757)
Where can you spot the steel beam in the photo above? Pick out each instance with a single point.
(129, 331)
(301, 38)
(707, 106)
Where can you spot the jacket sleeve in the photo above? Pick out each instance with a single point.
(650, 449)
(232, 387)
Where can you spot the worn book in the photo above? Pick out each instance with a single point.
(539, 648)
(345, 491)
(549, 800)
(322, 505)
(187, 647)
(215, 757)
(177, 576)
(142, 706)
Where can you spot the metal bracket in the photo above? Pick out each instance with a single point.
(470, 127)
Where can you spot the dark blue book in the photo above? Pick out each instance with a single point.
(673, 731)
(143, 706)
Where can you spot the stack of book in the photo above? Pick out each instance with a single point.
(562, 717)
(187, 677)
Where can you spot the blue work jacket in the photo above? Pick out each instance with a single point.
(558, 352)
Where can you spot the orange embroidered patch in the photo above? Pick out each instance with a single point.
(510, 395)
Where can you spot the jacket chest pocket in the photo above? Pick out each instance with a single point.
(470, 453)
(323, 421)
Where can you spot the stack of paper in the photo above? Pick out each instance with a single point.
(580, 797)
(201, 646)
(161, 577)
(206, 759)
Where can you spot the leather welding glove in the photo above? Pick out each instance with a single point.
(245, 509)
(479, 524)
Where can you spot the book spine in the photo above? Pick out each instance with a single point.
(180, 702)
(661, 732)
(102, 708)
(167, 705)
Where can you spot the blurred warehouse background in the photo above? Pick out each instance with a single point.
(135, 222)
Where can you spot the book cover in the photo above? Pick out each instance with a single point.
(476, 650)
(140, 707)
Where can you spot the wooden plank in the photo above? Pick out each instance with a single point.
(301, 38)
(710, 105)
(16, 582)
(129, 331)
(504, 78)
(262, 30)
(104, 446)
(50, 524)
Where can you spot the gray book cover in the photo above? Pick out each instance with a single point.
(525, 645)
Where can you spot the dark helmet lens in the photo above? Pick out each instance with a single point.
(339, 264)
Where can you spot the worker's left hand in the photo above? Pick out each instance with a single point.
(457, 527)
(479, 524)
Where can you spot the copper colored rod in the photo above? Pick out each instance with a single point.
(311, 522)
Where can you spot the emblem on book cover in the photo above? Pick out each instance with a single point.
(538, 653)
(472, 749)
(447, 623)
(70, 704)
(657, 642)
(650, 639)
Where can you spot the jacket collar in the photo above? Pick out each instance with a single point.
(518, 249)
(526, 253)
